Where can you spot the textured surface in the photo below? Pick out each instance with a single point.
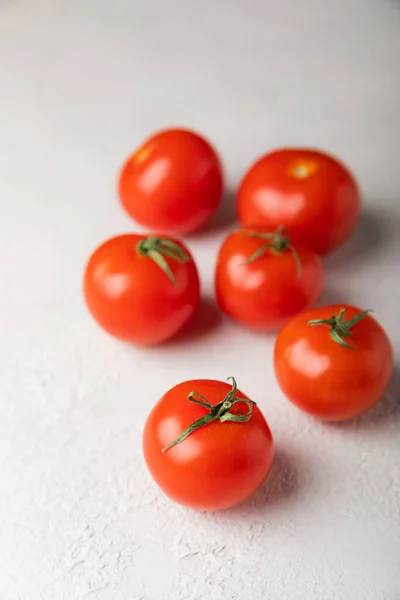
(82, 82)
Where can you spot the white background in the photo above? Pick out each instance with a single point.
(82, 83)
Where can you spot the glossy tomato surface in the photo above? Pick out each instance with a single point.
(265, 293)
(219, 464)
(173, 183)
(308, 191)
(132, 298)
(326, 379)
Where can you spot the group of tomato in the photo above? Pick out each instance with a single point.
(206, 444)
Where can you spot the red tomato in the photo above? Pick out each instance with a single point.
(261, 280)
(173, 183)
(336, 367)
(223, 448)
(142, 289)
(309, 192)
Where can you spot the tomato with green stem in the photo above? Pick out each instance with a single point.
(207, 445)
(262, 280)
(173, 183)
(333, 362)
(143, 289)
(312, 193)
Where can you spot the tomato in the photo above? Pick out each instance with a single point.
(207, 445)
(261, 280)
(333, 362)
(173, 183)
(308, 191)
(142, 289)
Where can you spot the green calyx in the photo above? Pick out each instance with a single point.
(158, 248)
(339, 328)
(220, 412)
(279, 242)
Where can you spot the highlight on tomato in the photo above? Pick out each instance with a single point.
(262, 279)
(173, 183)
(312, 193)
(142, 289)
(333, 362)
(207, 445)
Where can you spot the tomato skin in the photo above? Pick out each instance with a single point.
(308, 191)
(323, 378)
(132, 298)
(173, 183)
(218, 465)
(266, 293)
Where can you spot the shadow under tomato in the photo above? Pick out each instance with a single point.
(332, 295)
(386, 411)
(206, 319)
(373, 233)
(282, 483)
(225, 217)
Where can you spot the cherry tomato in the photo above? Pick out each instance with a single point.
(142, 289)
(173, 183)
(308, 191)
(333, 362)
(207, 445)
(261, 280)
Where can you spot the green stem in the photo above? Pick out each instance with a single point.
(157, 249)
(339, 328)
(220, 412)
(279, 242)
